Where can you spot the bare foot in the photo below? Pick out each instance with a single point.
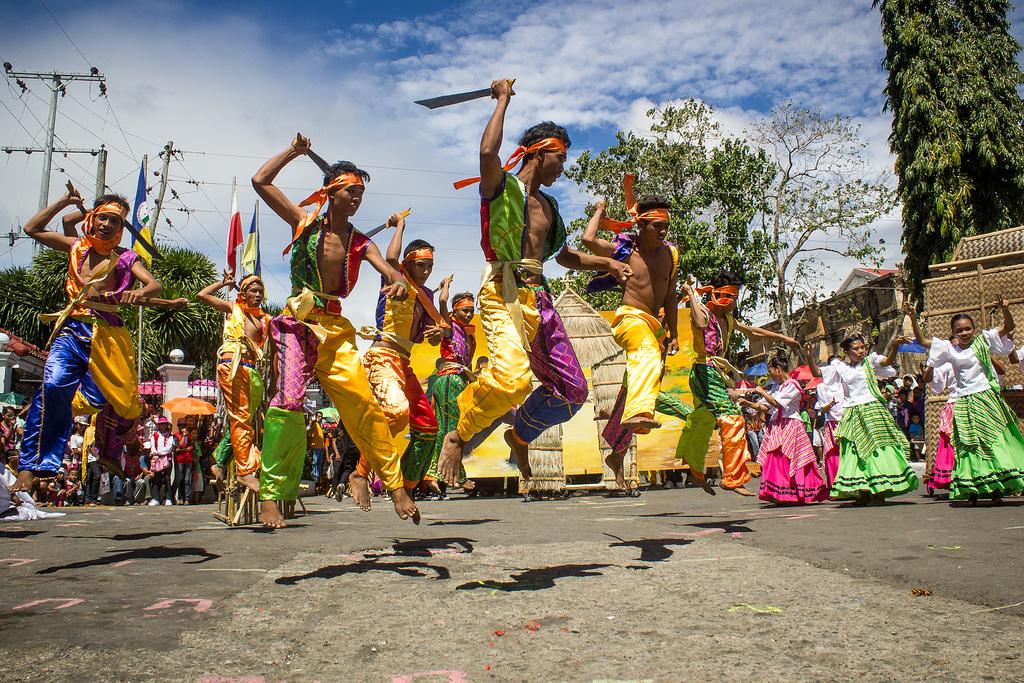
(24, 481)
(754, 468)
(521, 452)
(614, 462)
(740, 490)
(218, 477)
(359, 489)
(451, 457)
(642, 424)
(250, 481)
(703, 483)
(405, 508)
(434, 488)
(468, 485)
(270, 515)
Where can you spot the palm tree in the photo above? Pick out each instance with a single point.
(196, 330)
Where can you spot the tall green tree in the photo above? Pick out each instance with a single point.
(715, 184)
(196, 330)
(953, 90)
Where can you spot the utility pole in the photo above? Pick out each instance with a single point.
(100, 154)
(101, 171)
(155, 220)
(57, 82)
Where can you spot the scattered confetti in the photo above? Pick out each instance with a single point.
(756, 609)
(919, 592)
(736, 534)
(499, 632)
(533, 626)
(487, 667)
(943, 547)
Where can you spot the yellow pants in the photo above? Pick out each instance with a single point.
(112, 367)
(637, 333)
(387, 379)
(507, 379)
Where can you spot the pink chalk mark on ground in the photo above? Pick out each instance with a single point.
(792, 517)
(122, 563)
(15, 561)
(451, 676)
(232, 679)
(198, 604)
(71, 524)
(65, 603)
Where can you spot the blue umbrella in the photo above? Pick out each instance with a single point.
(912, 347)
(757, 370)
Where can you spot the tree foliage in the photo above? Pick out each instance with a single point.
(196, 330)
(821, 201)
(711, 180)
(957, 123)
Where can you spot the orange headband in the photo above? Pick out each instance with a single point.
(248, 280)
(464, 303)
(104, 246)
(631, 208)
(416, 255)
(320, 198)
(547, 144)
(729, 290)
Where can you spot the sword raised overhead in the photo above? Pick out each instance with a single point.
(458, 98)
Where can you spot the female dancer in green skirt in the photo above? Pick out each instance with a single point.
(873, 451)
(986, 438)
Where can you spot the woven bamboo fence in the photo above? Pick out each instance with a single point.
(591, 337)
(983, 268)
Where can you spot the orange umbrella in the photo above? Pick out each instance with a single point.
(186, 405)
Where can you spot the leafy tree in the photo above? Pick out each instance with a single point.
(196, 330)
(822, 199)
(713, 182)
(953, 90)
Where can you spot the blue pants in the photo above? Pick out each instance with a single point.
(317, 465)
(48, 425)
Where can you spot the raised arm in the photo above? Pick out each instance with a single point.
(590, 239)
(151, 287)
(911, 313)
(700, 318)
(443, 297)
(206, 294)
(394, 253)
(396, 283)
(35, 227)
(893, 348)
(761, 333)
(71, 220)
(491, 172)
(263, 182)
(808, 358)
(1008, 325)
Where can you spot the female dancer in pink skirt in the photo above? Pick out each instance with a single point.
(830, 404)
(941, 380)
(789, 468)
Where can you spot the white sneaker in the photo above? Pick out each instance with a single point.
(154, 502)
(168, 502)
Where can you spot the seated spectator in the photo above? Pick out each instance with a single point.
(60, 489)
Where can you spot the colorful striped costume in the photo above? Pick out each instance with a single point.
(241, 385)
(395, 385)
(712, 405)
(92, 352)
(457, 352)
(525, 335)
(314, 339)
(789, 468)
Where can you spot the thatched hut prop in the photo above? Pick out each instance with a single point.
(983, 268)
(591, 337)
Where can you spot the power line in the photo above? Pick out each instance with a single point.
(73, 43)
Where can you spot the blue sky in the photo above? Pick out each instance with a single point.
(230, 83)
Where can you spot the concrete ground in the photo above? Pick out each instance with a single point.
(672, 586)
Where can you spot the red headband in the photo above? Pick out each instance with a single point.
(631, 208)
(320, 198)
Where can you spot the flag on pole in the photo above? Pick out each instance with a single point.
(140, 219)
(234, 230)
(251, 253)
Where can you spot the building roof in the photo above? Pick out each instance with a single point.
(33, 350)
(860, 276)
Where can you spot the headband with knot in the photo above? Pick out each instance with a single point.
(631, 208)
(463, 304)
(104, 246)
(547, 145)
(417, 254)
(320, 199)
(720, 296)
(248, 280)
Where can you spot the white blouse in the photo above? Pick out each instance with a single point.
(828, 392)
(970, 377)
(788, 395)
(852, 384)
(943, 380)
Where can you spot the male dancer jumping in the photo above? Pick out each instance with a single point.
(245, 334)
(637, 326)
(521, 228)
(401, 324)
(313, 338)
(90, 350)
